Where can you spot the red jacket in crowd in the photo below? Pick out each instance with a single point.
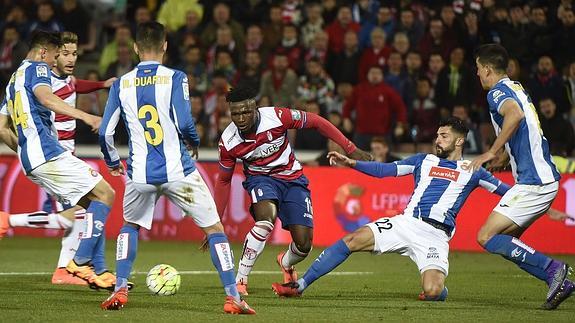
(375, 106)
(336, 33)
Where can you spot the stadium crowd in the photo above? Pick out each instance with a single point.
(381, 71)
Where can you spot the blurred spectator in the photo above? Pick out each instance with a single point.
(197, 108)
(435, 40)
(251, 71)
(413, 71)
(123, 65)
(435, 65)
(310, 139)
(322, 159)
(329, 11)
(541, 33)
(251, 11)
(564, 50)
(343, 93)
(319, 48)
(92, 102)
(191, 26)
(472, 36)
(225, 63)
(379, 149)
(45, 19)
(290, 47)
(280, 83)
(12, 52)
(377, 54)
(74, 17)
(313, 24)
(473, 143)
(378, 109)
(272, 29)
(400, 43)
(224, 41)
(173, 13)
(255, 42)
(453, 32)
(515, 34)
(514, 71)
(385, 21)
(220, 18)
(455, 82)
(316, 85)
(411, 26)
(141, 14)
(546, 82)
(17, 17)
(215, 105)
(557, 129)
(110, 52)
(570, 88)
(395, 75)
(291, 12)
(364, 11)
(336, 30)
(424, 115)
(343, 66)
(196, 69)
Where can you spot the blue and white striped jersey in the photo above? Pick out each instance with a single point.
(153, 101)
(442, 186)
(34, 123)
(528, 149)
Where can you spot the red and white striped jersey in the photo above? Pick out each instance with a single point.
(267, 151)
(65, 89)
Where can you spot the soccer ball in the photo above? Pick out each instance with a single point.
(163, 280)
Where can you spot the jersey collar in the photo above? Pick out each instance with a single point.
(149, 63)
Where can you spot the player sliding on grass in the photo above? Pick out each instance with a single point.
(536, 178)
(65, 86)
(425, 227)
(30, 104)
(274, 177)
(153, 101)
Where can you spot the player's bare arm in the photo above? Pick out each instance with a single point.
(6, 134)
(54, 103)
(512, 116)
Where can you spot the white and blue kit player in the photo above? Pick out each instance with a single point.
(31, 106)
(516, 124)
(153, 102)
(425, 227)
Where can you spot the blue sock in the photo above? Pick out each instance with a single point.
(439, 298)
(521, 254)
(223, 261)
(126, 248)
(86, 249)
(326, 262)
(99, 260)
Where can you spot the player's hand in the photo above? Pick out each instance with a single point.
(193, 151)
(118, 171)
(336, 158)
(500, 162)
(359, 154)
(558, 215)
(108, 83)
(478, 161)
(93, 121)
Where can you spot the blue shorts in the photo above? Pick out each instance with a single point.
(292, 198)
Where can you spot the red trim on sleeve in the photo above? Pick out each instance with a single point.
(329, 130)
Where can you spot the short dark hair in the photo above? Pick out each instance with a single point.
(42, 38)
(494, 55)
(150, 36)
(456, 124)
(241, 92)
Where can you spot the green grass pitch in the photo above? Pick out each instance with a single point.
(481, 288)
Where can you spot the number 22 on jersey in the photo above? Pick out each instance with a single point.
(153, 130)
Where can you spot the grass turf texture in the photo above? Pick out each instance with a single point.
(482, 287)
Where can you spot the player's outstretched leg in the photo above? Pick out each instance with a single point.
(126, 249)
(433, 283)
(43, 220)
(253, 246)
(223, 261)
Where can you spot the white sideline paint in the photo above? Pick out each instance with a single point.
(193, 272)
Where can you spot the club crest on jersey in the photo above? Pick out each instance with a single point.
(41, 71)
(296, 114)
(270, 137)
(444, 173)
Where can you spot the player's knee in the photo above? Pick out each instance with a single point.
(353, 241)
(432, 289)
(303, 246)
(483, 237)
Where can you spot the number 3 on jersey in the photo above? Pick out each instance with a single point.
(153, 130)
(19, 117)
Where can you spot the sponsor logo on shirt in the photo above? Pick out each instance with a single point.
(444, 173)
(295, 114)
(496, 95)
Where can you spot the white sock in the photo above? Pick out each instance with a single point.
(71, 239)
(292, 256)
(40, 219)
(253, 247)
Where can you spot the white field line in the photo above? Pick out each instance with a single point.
(193, 272)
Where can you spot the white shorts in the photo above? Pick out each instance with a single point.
(523, 204)
(427, 246)
(190, 194)
(66, 177)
